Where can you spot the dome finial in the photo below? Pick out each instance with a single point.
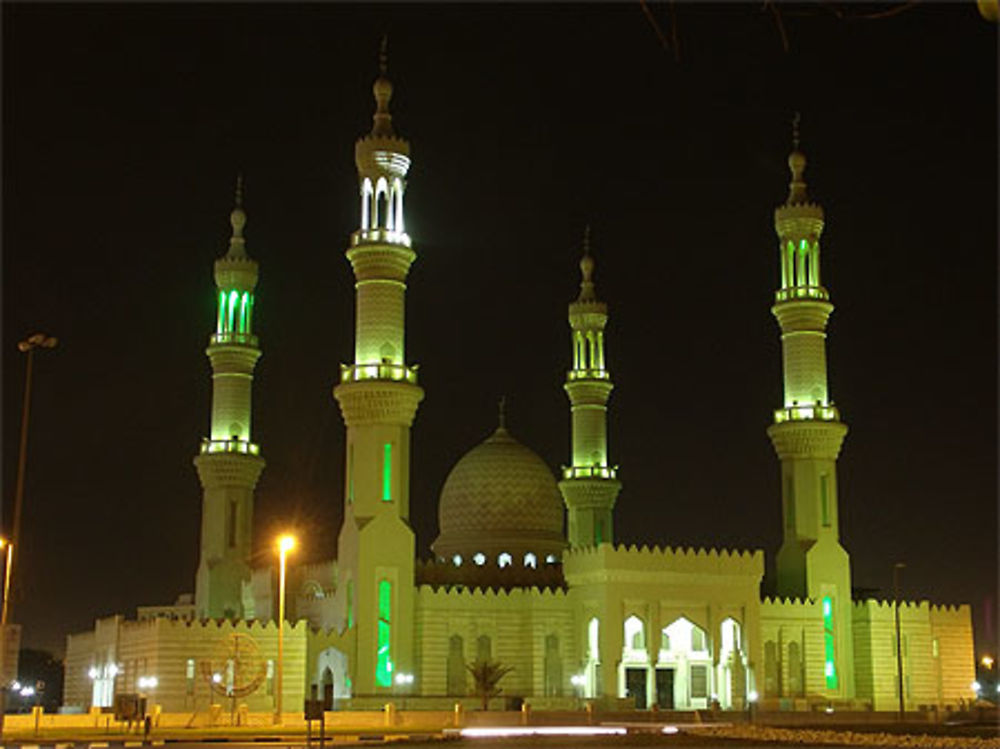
(797, 164)
(501, 415)
(382, 89)
(237, 219)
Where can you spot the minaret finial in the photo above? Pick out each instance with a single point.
(797, 164)
(587, 270)
(382, 89)
(237, 219)
(501, 415)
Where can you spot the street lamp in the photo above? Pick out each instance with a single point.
(897, 583)
(285, 544)
(4, 543)
(27, 346)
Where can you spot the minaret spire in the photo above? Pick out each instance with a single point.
(807, 433)
(382, 89)
(589, 486)
(229, 462)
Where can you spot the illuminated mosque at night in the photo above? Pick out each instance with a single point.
(527, 570)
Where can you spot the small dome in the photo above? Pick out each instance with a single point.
(500, 498)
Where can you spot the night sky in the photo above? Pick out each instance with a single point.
(124, 128)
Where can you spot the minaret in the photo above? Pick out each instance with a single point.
(229, 463)
(589, 486)
(378, 396)
(807, 433)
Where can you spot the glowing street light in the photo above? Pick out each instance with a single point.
(285, 544)
(987, 661)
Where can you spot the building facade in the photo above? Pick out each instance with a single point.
(526, 570)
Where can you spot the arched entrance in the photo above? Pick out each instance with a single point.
(683, 667)
(633, 676)
(331, 676)
(732, 672)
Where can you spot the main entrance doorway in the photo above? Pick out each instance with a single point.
(665, 688)
(635, 686)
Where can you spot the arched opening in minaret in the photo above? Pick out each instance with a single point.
(366, 202)
(381, 204)
(397, 192)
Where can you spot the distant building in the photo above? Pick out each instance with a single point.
(576, 614)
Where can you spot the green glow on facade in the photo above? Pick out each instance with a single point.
(222, 312)
(598, 533)
(387, 473)
(230, 312)
(829, 650)
(383, 657)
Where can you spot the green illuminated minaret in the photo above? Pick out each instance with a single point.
(229, 463)
(378, 396)
(589, 486)
(807, 434)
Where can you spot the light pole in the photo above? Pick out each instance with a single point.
(27, 346)
(4, 543)
(897, 583)
(285, 544)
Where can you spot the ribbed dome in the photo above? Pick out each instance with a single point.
(500, 497)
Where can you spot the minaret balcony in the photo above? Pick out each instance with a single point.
(792, 293)
(815, 412)
(384, 371)
(229, 446)
(588, 374)
(241, 339)
(376, 236)
(590, 472)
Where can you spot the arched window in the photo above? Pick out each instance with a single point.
(383, 653)
(457, 560)
(456, 666)
(635, 638)
(530, 560)
(504, 559)
(553, 667)
(484, 649)
(479, 559)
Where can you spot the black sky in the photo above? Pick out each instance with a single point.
(124, 127)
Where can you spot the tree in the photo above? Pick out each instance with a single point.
(486, 676)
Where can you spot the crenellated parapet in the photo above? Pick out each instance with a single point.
(665, 559)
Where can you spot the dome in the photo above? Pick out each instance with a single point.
(500, 498)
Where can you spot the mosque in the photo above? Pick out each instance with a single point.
(575, 613)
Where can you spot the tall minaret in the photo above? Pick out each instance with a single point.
(589, 486)
(807, 433)
(229, 463)
(378, 397)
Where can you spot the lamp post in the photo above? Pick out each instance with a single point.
(27, 346)
(897, 583)
(4, 543)
(285, 544)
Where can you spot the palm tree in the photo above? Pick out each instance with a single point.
(486, 676)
